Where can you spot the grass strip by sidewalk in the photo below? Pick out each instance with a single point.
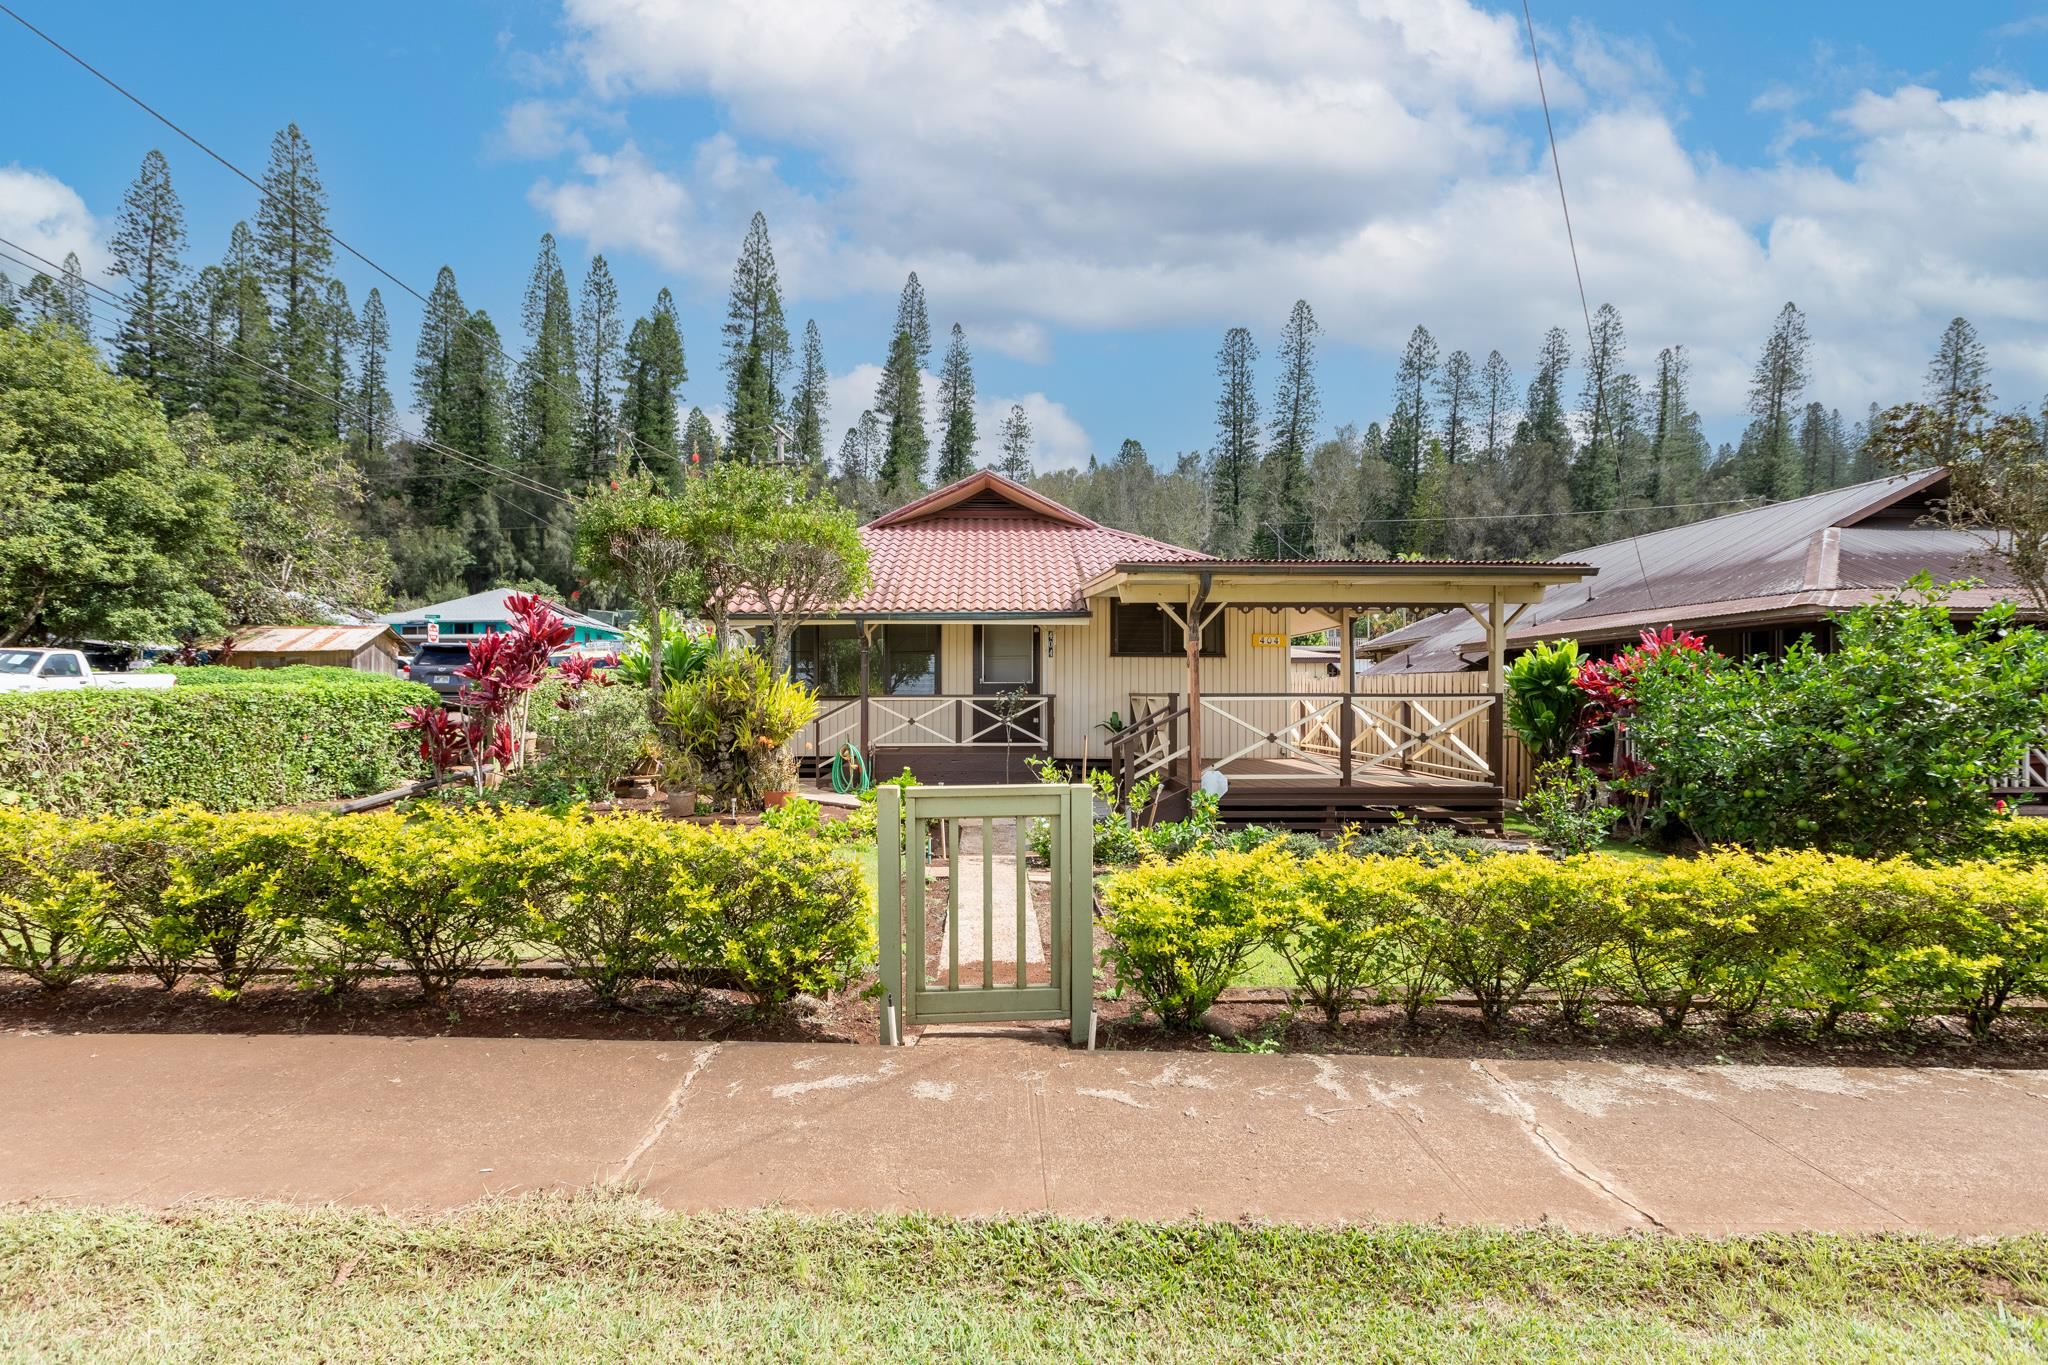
(612, 1278)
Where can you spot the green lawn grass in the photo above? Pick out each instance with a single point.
(609, 1279)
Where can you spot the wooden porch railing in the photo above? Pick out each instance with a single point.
(1456, 736)
(1152, 742)
(986, 721)
(2029, 777)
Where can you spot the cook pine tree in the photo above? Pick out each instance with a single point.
(957, 456)
(295, 258)
(1016, 445)
(1233, 462)
(1284, 529)
(756, 349)
(148, 249)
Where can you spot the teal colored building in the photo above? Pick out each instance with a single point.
(485, 613)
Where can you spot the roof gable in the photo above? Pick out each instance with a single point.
(985, 494)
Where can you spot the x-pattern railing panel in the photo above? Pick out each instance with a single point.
(912, 720)
(1402, 743)
(1284, 737)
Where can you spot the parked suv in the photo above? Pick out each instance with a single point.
(435, 666)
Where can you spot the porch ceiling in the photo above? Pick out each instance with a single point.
(1309, 584)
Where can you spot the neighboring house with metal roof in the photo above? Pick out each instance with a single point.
(999, 624)
(1752, 582)
(367, 649)
(485, 613)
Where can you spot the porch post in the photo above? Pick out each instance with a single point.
(1192, 631)
(866, 642)
(1347, 723)
(1496, 683)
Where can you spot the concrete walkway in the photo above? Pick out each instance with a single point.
(972, 1125)
(1001, 885)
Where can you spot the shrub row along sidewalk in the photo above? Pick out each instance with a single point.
(1734, 932)
(440, 891)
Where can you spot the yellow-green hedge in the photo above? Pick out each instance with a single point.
(1732, 932)
(436, 892)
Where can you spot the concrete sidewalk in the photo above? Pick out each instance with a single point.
(971, 1125)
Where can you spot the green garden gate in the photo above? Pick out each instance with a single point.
(914, 821)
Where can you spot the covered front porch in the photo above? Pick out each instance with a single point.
(1364, 750)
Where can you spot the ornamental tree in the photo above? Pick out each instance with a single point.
(762, 539)
(632, 537)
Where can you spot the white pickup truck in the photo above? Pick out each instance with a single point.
(55, 670)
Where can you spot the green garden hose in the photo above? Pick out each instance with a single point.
(850, 770)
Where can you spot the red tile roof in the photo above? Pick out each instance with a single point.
(987, 546)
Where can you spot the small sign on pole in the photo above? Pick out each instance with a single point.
(433, 629)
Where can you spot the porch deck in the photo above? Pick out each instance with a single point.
(1294, 794)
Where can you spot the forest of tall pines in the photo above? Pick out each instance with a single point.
(1575, 443)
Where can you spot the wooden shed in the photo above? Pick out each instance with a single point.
(367, 649)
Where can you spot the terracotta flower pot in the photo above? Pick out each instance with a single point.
(770, 800)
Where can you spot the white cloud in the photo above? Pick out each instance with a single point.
(539, 128)
(1060, 441)
(622, 201)
(49, 218)
(1018, 338)
(1124, 164)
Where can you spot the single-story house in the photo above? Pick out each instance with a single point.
(1000, 624)
(367, 649)
(485, 613)
(1751, 582)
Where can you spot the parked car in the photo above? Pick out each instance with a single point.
(435, 666)
(57, 670)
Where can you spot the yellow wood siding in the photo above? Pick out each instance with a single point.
(1087, 683)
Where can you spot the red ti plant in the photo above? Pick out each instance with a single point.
(487, 723)
(1609, 684)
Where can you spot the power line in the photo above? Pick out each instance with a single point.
(517, 479)
(1281, 529)
(97, 310)
(258, 186)
(1557, 166)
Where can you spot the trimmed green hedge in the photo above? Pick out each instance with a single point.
(249, 741)
(1730, 932)
(435, 892)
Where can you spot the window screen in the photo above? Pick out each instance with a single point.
(1008, 656)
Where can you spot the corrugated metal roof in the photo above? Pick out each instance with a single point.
(1793, 554)
(309, 639)
(482, 606)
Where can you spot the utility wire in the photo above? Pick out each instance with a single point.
(1556, 165)
(258, 186)
(517, 479)
(98, 310)
(1279, 529)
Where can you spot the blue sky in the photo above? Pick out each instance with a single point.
(1097, 190)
